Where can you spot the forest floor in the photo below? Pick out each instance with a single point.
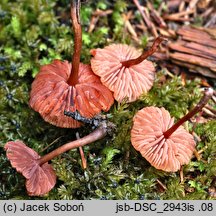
(34, 33)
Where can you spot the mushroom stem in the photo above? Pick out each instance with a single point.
(207, 95)
(144, 55)
(75, 10)
(99, 133)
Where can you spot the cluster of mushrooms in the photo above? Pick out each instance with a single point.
(117, 72)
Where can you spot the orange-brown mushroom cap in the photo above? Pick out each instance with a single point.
(125, 82)
(51, 94)
(39, 179)
(147, 137)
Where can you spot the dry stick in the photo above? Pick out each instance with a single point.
(179, 15)
(144, 55)
(156, 16)
(207, 95)
(191, 6)
(161, 184)
(149, 24)
(211, 109)
(92, 24)
(95, 17)
(181, 6)
(208, 112)
(99, 133)
(214, 97)
(207, 13)
(75, 7)
(129, 26)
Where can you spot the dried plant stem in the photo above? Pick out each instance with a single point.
(207, 95)
(75, 7)
(161, 184)
(146, 18)
(145, 54)
(99, 133)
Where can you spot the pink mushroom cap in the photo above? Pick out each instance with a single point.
(51, 95)
(125, 82)
(39, 179)
(147, 137)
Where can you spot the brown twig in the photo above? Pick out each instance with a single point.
(211, 109)
(95, 17)
(129, 26)
(148, 22)
(191, 7)
(156, 16)
(209, 112)
(204, 62)
(161, 184)
(181, 6)
(179, 16)
(197, 155)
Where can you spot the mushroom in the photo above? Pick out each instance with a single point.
(40, 176)
(124, 71)
(63, 86)
(162, 143)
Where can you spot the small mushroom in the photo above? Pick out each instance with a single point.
(40, 176)
(162, 143)
(124, 71)
(40, 179)
(63, 86)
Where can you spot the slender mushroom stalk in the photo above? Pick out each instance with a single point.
(144, 55)
(75, 10)
(99, 133)
(207, 95)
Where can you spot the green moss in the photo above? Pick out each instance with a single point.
(35, 33)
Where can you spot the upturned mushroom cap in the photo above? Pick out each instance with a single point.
(39, 179)
(125, 82)
(51, 94)
(147, 137)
